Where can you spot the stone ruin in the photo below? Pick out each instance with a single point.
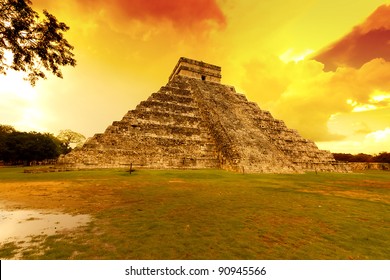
(195, 122)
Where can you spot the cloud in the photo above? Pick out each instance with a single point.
(361, 128)
(380, 136)
(266, 79)
(183, 15)
(365, 42)
(306, 97)
(377, 20)
(373, 143)
(297, 93)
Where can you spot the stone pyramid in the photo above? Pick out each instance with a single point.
(197, 122)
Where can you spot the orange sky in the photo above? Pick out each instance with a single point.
(321, 66)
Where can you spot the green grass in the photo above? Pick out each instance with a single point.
(214, 214)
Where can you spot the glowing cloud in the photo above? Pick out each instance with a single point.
(380, 97)
(292, 55)
(380, 136)
(367, 41)
(184, 14)
(306, 96)
(377, 20)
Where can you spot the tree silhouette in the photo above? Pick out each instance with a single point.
(35, 44)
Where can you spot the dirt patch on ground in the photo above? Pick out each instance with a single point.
(55, 195)
(366, 190)
(365, 183)
(353, 194)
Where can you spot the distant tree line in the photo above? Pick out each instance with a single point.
(383, 157)
(18, 147)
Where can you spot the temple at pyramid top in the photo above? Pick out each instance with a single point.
(196, 69)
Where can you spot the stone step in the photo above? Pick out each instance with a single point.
(179, 83)
(169, 129)
(167, 106)
(164, 97)
(171, 112)
(167, 117)
(175, 91)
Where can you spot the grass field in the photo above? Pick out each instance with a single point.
(205, 214)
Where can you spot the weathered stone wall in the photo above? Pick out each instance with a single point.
(360, 166)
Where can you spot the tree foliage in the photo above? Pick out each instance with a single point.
(36, 44)
(6, 129)
(382, 157)
(69, 138)
(17, 147)
(30, 146)
(24, 147)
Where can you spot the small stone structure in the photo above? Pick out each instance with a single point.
(197, 122)
(196, 69)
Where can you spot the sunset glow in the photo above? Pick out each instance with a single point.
(320, 66)
(292, 55)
